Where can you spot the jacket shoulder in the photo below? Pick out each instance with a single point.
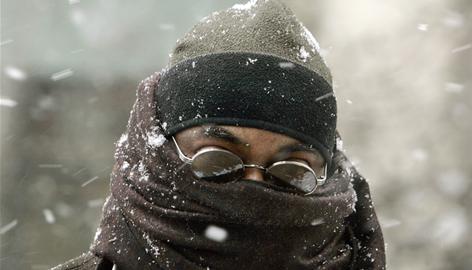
(86, 261)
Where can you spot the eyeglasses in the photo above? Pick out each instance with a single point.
(222, 166)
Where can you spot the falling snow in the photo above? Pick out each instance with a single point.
(6, 42)
(49, 216)
(422, 27)
(387, 223)
(216, 233)
(462, 48)
(6, 102)
(62, 74)
(89, 181)
(95, 203)
(453, 87)
(286, 65)
(15, 73)
(324, 96)
(317, 221)
(9, 226)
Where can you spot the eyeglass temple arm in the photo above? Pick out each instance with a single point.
(181, 155)
(322, 179)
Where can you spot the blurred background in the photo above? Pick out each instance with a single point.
(69, 70)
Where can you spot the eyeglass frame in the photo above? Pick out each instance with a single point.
(319, 181)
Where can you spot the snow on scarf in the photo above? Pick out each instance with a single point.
(159, 216)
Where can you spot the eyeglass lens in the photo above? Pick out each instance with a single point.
(221, 166)
(217, 166)
(293, 175)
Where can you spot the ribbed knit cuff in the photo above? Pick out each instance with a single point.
(252, 90)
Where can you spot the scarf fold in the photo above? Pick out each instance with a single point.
(159, 216)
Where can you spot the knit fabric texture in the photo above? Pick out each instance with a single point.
(252, 90)
(252, 65)
(262, 26)
(159, 216)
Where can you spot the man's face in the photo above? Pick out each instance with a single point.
(252, 145)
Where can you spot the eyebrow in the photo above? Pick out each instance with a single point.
(217, 132)
(297, 147)
(223, 134)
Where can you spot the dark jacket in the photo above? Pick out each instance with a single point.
(86, 261)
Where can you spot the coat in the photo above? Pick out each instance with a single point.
(86, 261)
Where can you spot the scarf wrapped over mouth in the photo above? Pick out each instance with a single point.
(159, 216)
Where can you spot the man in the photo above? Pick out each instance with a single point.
(231, 159)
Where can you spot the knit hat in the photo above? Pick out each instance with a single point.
(252, 65)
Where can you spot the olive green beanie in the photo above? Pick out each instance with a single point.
(262, 26)
(252, 65)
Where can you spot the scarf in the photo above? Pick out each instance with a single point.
(159, 216)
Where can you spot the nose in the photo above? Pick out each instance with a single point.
(254, 174)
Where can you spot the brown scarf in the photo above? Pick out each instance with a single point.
(158, 216)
